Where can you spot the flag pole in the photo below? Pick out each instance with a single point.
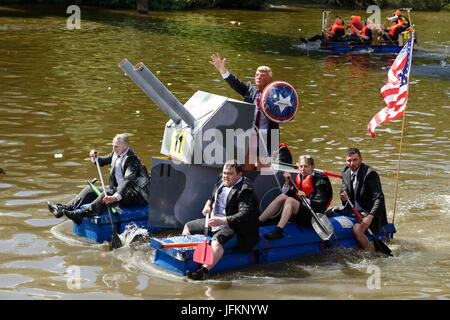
(401, 138)
(398, 166)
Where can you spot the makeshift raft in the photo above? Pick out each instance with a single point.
(381, 47)
(296, 242)
(98, 228)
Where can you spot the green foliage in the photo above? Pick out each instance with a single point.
(417, 4)
(248, 4)
(173, 4)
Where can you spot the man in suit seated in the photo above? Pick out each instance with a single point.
(129, 184)
(361, 184)
(233, 206)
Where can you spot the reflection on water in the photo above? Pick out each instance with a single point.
(63, 94)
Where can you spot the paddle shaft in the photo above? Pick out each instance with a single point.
(379, 245)
(115, 238)
(315, 215)
(98, 192)
(359, 216)
(205, 234)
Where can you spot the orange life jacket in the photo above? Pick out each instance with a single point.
(306, 185)
(364, 30)
(356, 22)
(395, 27)
(335, 27)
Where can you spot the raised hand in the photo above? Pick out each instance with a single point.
(218, 63)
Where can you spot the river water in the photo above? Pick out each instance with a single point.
(62, 94)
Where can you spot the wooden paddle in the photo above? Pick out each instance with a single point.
(203, 252)
(116, 243)
(97, 191)
(379, 245)
(319, 221)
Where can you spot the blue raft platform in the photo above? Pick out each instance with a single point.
(382, 47)
(98, 228)
(296, 242)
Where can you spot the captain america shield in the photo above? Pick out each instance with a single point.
(279, 101)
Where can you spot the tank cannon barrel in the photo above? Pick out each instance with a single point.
(126, 67)
(165, 94)
(155, 90)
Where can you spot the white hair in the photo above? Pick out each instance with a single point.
(266, 69)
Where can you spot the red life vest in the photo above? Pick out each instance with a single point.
(395, 27)
(335, 27)
(306, 185)
(364, 30)
(356, 22)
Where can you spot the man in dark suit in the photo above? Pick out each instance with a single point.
(361, 184)
(129, 184)
(233, 207)
(252, 94)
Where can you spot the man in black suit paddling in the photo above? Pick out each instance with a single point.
(361, 184)
(129, 184)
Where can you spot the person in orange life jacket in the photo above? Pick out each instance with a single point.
(402, 19)
(356, 26)
(252, 94)
(333, 34)
(366, 34)
(314, 186)
(233, 206)
(361, 184)
(399, 24)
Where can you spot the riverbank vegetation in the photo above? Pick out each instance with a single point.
(246, 4)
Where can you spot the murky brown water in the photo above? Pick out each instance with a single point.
(61, 92)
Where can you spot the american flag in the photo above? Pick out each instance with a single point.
(395, 91)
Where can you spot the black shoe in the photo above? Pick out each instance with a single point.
(277, 233)
(56, 209)
(74, 215)
(304, 40)
(200, 274)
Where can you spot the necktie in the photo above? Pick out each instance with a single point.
(353, 178)
(258, 113)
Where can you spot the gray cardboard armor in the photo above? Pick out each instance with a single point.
(179, 191)
(199, 137)
(221, 132)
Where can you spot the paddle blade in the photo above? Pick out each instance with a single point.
(203, 254)
(322, 226)
(116, 243)
(380, 246)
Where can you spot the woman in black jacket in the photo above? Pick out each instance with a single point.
(315, 187)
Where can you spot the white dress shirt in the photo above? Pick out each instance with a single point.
(220, 203)
(118, 172)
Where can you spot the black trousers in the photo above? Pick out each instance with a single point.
(97, 207)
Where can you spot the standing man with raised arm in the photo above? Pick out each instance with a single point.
(252, 94)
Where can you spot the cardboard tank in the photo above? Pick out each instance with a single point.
(200, 136)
